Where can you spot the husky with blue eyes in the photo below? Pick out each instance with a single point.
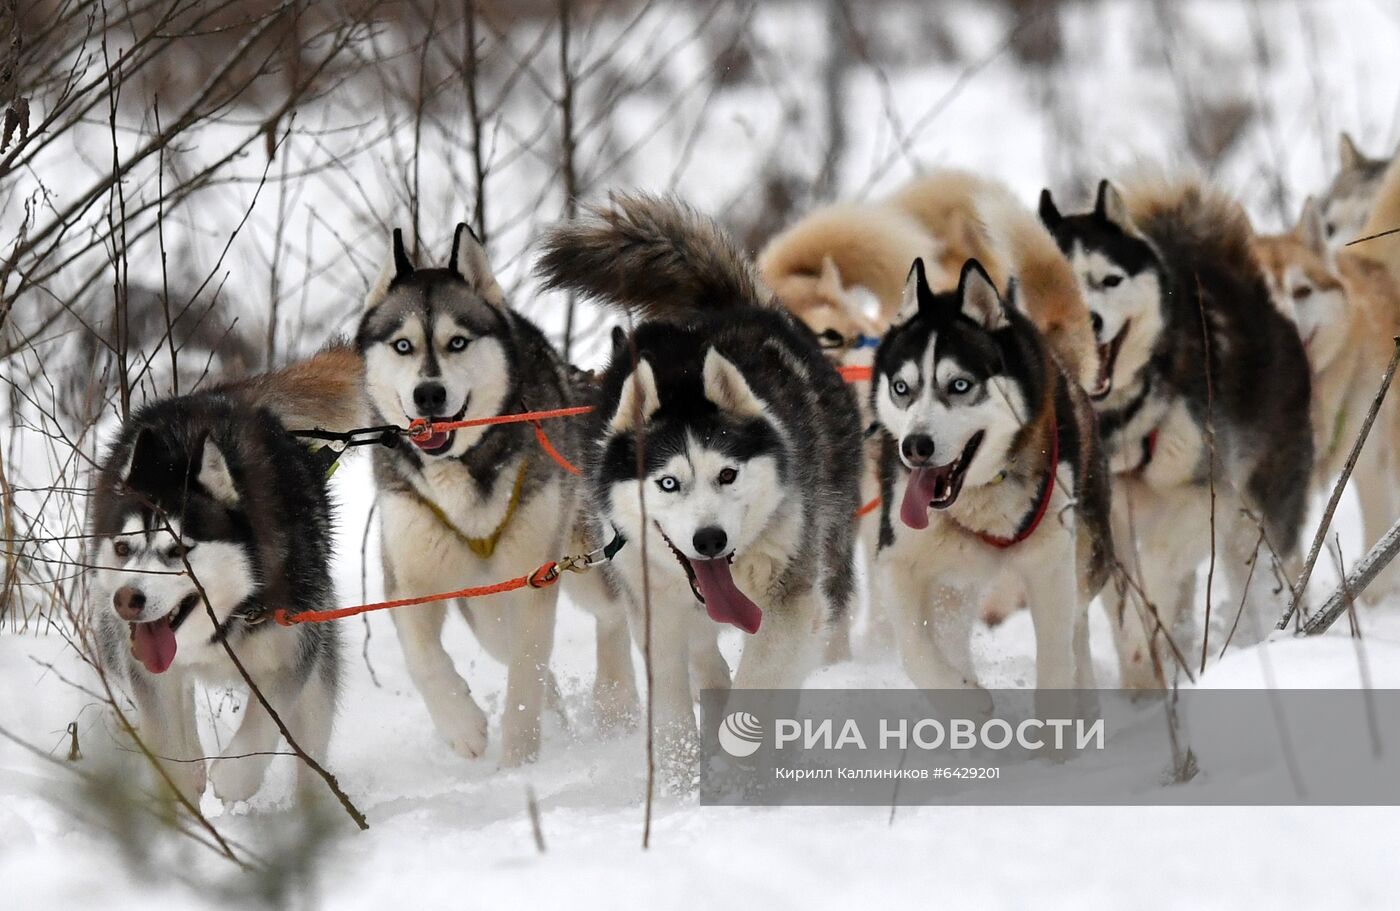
(990, 463)
(1204, 411)
(477, 505)
(726, 441)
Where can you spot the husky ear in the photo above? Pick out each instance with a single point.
(145, 451)
(469, 261)
(829, 282)
(1350, 155)
(1109, 207)
(397, 266)
(638, 400)
(726, 387)
(1310, 230)
(214, 475)
(915, 295)
(978, 297)
(1049, 214)
(619, 342)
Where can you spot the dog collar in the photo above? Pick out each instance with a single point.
(1042, 506)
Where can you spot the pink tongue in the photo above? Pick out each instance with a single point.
(918, 494)
(723, 600)
(433, 441)
(154, 645)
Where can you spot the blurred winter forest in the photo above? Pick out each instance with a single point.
(191, 189)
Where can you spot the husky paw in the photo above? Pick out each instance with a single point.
(188, 778)
(520, 740)
(235, 780)
(464, 729)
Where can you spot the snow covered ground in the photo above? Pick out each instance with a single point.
(450, 833)
(445, 832)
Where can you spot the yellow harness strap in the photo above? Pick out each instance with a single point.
(482, 547)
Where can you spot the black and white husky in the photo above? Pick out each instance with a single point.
(479, 505)
(1190, 344)
(989, 463)
(205, 504)
(726, 439)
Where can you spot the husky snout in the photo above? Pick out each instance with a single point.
(917, 449)
(430, 399)
(129, 602)
(710, 541)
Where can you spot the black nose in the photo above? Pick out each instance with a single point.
(709, 542)
(1097, 322)
(917, 448)
(430, 398)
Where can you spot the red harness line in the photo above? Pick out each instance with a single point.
(1041, 508)
(544, 576)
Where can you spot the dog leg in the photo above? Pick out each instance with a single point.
(673, 704)
(312, 722)
(1054, 603)
(916, 605)
(531, 621)
(238, 773)
(709, 671)
(614, 683)
(167, 728)
(456, 716)
(786, 646)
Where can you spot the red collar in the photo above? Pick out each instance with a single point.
(1041, 507)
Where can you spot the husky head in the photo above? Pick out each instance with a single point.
(953, 386)
(713, 463)
(1346, 204)
(171, 523)
(838, 315)
(1302, 277)
(437, 342)
(1121, 278)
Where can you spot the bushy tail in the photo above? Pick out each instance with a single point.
(1047, 290)
(652, 256)
(1385, 216)
(1187, 218)
(325, 391)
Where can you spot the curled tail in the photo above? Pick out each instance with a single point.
(324, 391)
(652, 256)
(1047, 289)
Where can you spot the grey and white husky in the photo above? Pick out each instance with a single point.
(1347, 201)
(479, 505)
(724, 438)
(990, 463)
(206, 505)
(1207, 399)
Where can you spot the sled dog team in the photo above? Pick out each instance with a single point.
(1060, 405)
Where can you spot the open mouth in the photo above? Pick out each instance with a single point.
(712, 583)
(936, 487)
(153, 643)
(440, 441)
(1108, 357)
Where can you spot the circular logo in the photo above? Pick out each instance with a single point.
(740, 734)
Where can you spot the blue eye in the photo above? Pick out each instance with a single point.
(899, 387)
(457, 343)
(960, 386)
(403, 346)
(668, 484)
